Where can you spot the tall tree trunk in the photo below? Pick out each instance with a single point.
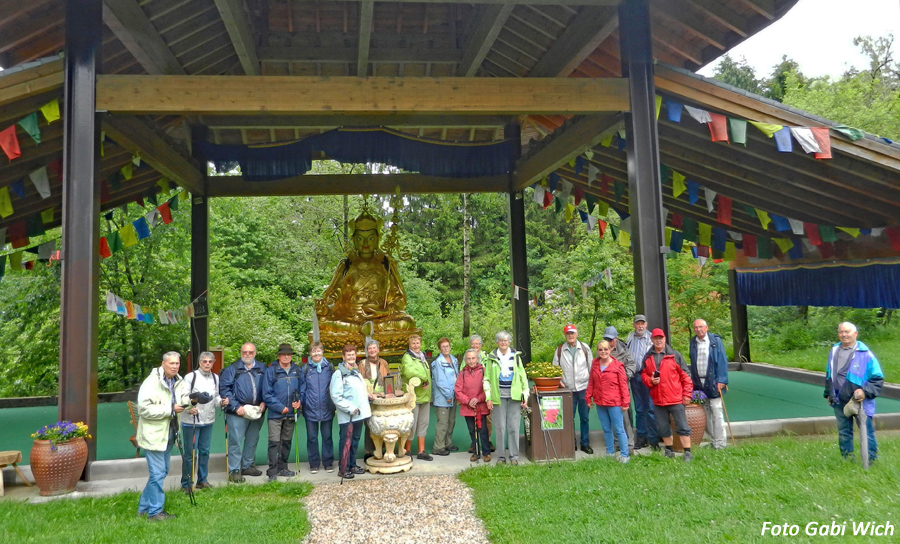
(467, 267)
(346, 219)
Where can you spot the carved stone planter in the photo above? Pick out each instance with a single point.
(696, 418)
(56, 471)
(390, 426)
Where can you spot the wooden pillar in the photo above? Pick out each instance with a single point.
(80, 220)
(199, 261)
(644, 191)
(519, 272)
(740, 329)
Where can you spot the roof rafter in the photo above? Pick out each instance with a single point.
(579, 40)
(238, 26)
(482, 38)
(131, 25)
(31, 82)
(366, 20)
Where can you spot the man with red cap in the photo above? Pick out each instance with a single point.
(666, 374)
(575, 359)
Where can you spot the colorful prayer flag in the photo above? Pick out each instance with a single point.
(718, 127)
(104, 248)
(51, 110)
(824, 140)
(129, 236)
(6, 208)
(678, 185)
(9, 142)
(768, 129)
(783, 140)
(737, 130)
(41, 181)
(30, 125)
(812, 232)
(805, 138)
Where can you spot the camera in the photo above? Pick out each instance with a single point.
(200, 397)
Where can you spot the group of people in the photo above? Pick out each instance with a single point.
(648, 370)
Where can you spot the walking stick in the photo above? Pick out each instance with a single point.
(863, 437)
(174, 425)
(724, 409)
(476, 435)
(296, 397)
(194, 454)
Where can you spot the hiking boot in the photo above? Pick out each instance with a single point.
(487, 458)
(474, 458)
(357, 470)
(670, 454)
(441, 452)
(329, 469)
(273, 478)
(501, 461)
(688, 456)
(453, 448)
(162, 516)
(587, 449)
(186, 490)
(514, 462)
(314, 470)
(424, 456)
(285, 473)
(624, 459)
(348, 475)
(203, 485)
(235, 477)
(251, 471)
(640, 442)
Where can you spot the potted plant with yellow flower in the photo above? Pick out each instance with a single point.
(58, 456)
(546, 376)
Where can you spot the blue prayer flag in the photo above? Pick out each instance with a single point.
(719, 239)
(677, 241)
(553, 179)
(783, 140)
(141, 228)
(796, 252)
(673, 110)
(693, 189)
(18, 188)
(579, 164)
(781, 224)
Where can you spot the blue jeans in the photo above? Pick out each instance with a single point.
(644, 422)
(354, 441)
(313, 428)
(153, 499)
(203, 435)
(845, 433)
(242, 431)
(612, 421)
(583, 413)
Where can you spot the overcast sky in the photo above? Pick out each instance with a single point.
(819, 34)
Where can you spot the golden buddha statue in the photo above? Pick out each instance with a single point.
(365, 295)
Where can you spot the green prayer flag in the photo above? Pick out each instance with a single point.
(689, 229)
(850, 132)
(151, 195)
(619, 189)
(115, 181)
(30, 125)
(664, 174)
(737, 130)
(827, 233)
(763, 247)
(114, 241)
(591, 202)
(34, 226)
(47, 215)
(615, 231)
(558, 204)
(602, 208)
(173, 203)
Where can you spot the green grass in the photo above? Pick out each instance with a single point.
(815, 358)
(270, 513)
(723, 495)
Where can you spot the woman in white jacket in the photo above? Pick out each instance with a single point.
(197, 421)
(351, 401)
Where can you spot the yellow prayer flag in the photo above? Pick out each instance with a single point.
(606, 142)
(163, 185)
(730, 251)
(704, 233)
(544, 182)
(784, 244)
(127, 171)
(851, 231)
(102, 139)
(570, 212)
(668, 235)
(658, 106)
(47, 216)
(572, 162)
(129, 236)
(15, 261)
(183, 195)
(624, 238)
(51, 110)
(602, 209)
(678, 185)
(768, 129)
(764, 218)
(6, 208)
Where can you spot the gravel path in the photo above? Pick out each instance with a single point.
(408, 510)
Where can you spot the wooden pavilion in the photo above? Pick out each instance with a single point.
(156, 78)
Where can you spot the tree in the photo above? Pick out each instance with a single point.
(737, 74)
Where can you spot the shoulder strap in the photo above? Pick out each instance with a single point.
(559, 352)
(587, 353)
(193, 381)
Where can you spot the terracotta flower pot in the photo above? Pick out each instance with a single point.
(696, 418)
(56, 471)
(547, 384)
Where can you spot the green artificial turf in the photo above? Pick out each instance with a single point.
(887, 351)
(270, 513)
(720, 496)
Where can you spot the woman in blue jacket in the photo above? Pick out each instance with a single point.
(444, 370)
(318, 409)
(351, 402)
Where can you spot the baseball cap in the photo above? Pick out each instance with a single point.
(610, 333)
(569, 328)
(639, 317)
(657, 332)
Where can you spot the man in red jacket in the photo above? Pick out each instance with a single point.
(666, 374)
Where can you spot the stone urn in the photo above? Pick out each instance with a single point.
(58, 468)
(696, 418)
(390, 426)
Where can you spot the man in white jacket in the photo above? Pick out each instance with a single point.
(575, 359)
(157, 407)
(197, 421)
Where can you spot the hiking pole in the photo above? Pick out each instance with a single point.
(180, 446)
(724, 409)
(475, 435)
(295, 397)
(194, 454)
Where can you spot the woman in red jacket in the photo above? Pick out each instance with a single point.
(608, 390)
(469, 391)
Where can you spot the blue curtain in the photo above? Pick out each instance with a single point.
(869, 286)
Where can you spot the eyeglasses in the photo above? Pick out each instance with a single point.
(251, 352)
(208, 361)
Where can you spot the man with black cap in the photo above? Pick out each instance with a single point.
(575, 359)
(666, 375)
(620, 353)
(638, 344)
(283, 386)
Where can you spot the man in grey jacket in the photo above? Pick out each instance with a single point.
(575, 359)
(620, 353)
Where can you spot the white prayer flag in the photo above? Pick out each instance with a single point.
(875, 232)
(710, 199)
(152, 217)
(163, 318)
(796, 226)
(592, 223)
(45, 250)
(702, 260)
(625, 225)
(592, 173)
(41, 182)
(701, 116)
(736, 236)
(804, 136)
(111, 302)
(539, 195)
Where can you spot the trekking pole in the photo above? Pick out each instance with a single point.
(180, 446)
(476, 435)
(724, 409)
(194, 454)
(295, 398)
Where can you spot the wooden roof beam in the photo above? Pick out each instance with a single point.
(155, 149)
(237, 24)
(131, 25)
(677, 11)
(344, 54)
(566, 142)
(608, 3)
(291, 95)
(579, 40)
(723, 15)
(340, 184)
(366, 20)
(490, 19)
(30, 82)
(766, 8)
(320, 121)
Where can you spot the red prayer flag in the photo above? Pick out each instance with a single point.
(824, 140)
(893, 234)
(812, 232)
(139, 200)
(548, 199)
(104, 248)
(104, 192)
(703, 251)
(724, 212)
(826, 250)
(18, 234)
(166, 213)
(605, 180)
(29, 265)
(718, 127)
(578, 193)
(749, 245)
(57, 167)
(601, 226)
(677, 220)
(10, 143)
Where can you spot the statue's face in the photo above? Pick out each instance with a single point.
(365, 242)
